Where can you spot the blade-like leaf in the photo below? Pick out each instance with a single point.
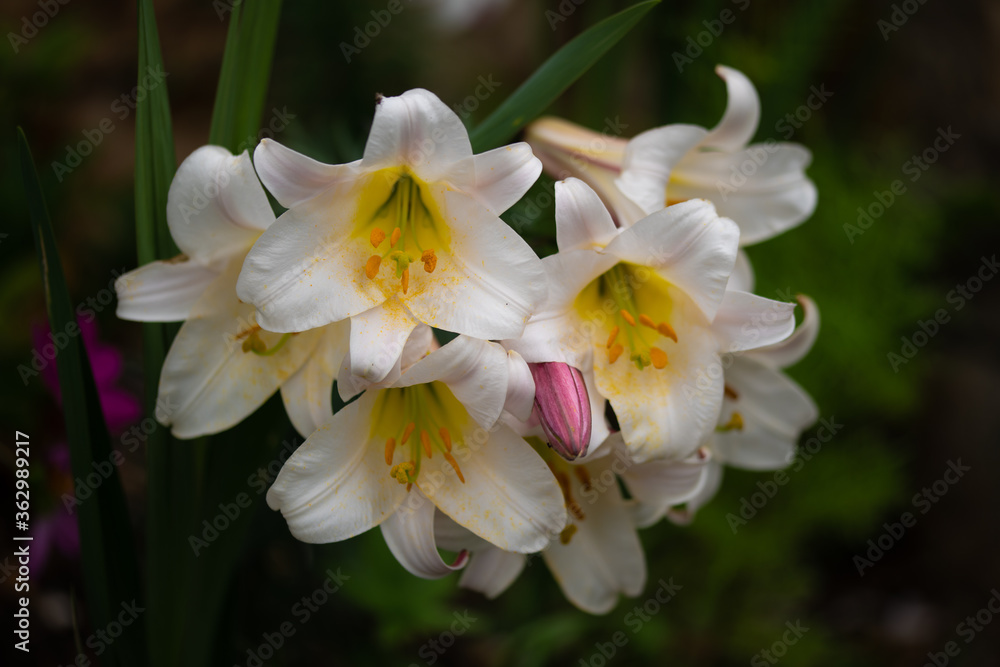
(110, 571)
(555, 76)
(246, 70)
(155, 163)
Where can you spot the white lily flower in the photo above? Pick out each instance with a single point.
(598, 556)
(646, 309)
(764, 412)
(409, 234)
(762, 187)
(222, 365)
(432, 434)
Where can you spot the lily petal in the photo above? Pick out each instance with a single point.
(604, 556)
(582, 221)
(216, 207)
(668, 412)
(792, 349)
(419, 130)
(409, 534)
(307, 394)
(501, 176)
(746, 321)
(163, 291)
(520, 387)
(293, 177)
(492, 571)
(691, 247)
(742, 278)
(335, 485)
(775, 197)
(742, 115)
(663, 484)
(488, 285)
(773, 410)
(476, 372)
(509, 496)
(208, 382)
(303, 272)
(377, 339)
(650, 158)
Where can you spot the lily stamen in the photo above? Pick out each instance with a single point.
(390, 449)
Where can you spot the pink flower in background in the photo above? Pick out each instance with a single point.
(57, 530)
(120, 407)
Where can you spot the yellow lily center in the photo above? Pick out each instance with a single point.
(401, 223)
(625, 299)
(418, 422)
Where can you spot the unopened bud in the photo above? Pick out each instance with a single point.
(563, 408)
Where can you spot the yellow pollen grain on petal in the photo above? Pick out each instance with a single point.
(667, 330)
(658, 357)
(446, 437)
(614, 353)
(390, 449)
(627, 316)
(371, 266)
(612, 337)
(425, 440)
(377, 237)
(567, 534)
(454, 464)
(405, 281)
(407, 432)
(394, 239)
(647, 321)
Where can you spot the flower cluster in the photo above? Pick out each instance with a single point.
(583, 396)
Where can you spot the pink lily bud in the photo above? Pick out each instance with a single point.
(563, 407)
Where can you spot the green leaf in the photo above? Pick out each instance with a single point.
(110, 571)
(246, 70)
(555, 76)
(167, 465)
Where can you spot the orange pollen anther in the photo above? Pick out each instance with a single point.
(377, 237)
(430, 260)
(730, 392)
(446, 437)
(667, 330)
(407, 432)
(394, 239)
(390, 449)
(658, 357)
(647, 321)
(371, 266)
(425, 440)
(406, 279)
(583, 476)
(614, 353)
(454, 464)
(611, 338)
(627, 316)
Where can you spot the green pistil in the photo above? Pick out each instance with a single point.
(257, 346)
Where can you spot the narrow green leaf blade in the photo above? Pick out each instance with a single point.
(555, 76)
(246, 71)
(110, 570)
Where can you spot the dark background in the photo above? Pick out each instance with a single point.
(892, 92)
